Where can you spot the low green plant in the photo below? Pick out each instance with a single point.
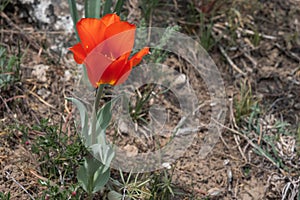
(244, 103)
(9, 69)
(148, 7)
(267, 137)
(61, 192)
(161, 186)
(3, 4)
(256, 38)
(58, 154)
(130, 187)
(4, 196)
(92, 175)
(207, 40)
(149, 186)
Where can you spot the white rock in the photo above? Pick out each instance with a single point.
(40, 72)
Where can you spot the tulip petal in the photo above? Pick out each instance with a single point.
(124, 75)
(105, 47)
(90, 31)
(119, 38)
(114, 70)
(137, 58)
(96, 64)
(110, 19)
(78, 53)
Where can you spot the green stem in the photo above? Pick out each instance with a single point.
(95, 111)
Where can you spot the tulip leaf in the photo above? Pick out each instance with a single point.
(103, 118)
(100, 180)
(92, 175)
(74, 15)
(119, 6)
(83, 117)
(104, 153)
(92, 8)
(113, 195)
(104, 114)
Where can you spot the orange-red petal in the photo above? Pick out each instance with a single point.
(90, 31)
(119, 38)
(96, 63)
(105, 47)
(137, 58)
(113, 71)
(109, 19)
(78, 53)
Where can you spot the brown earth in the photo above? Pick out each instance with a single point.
(261, 38)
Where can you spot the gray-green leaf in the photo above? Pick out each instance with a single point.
(93, 175)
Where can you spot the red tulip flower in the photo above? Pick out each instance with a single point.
(105, 47)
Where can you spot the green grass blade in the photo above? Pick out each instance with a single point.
(92, 8)
(119, 6)
(74, 15)
(107, 7)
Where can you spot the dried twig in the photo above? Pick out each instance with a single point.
(252, 144)
(19, 184)
(41, 100)
(230, 61)
(236, 139)
(288, 53)
(250, 32)
(5, 104)
(11, 99)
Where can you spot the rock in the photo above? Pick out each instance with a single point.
(131, 150)
(48, 14)
(43, 93)
(40, 72)
(67, 76)
(180, 80)
(123, 127)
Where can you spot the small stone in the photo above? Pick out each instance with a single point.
(131, 150)
(44, 93)
(213, 192)
(180, 80)
(123, 127)
(297, 106)
(166, 165)
(40, 72)
(67, 75)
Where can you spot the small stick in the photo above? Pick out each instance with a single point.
(247, 31)
(41, 100)
(239, 147)
(288, 53)
(12, 98)
(230, 61)
(251, 143)
(15, 181)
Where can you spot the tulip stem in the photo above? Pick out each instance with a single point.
(95, 111)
